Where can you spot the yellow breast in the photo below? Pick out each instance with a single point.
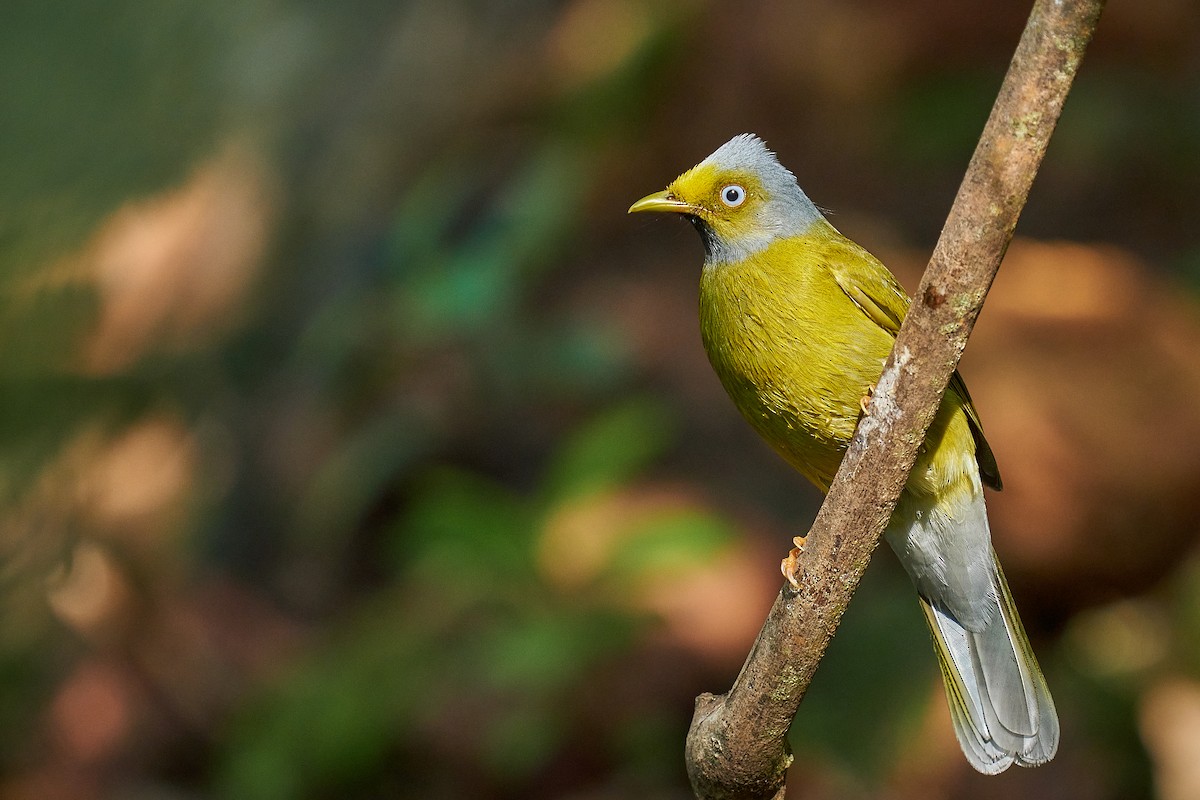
(797, 355)
(792, 350)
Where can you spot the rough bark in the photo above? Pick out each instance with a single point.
(737, 746)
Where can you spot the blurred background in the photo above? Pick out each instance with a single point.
(355, 443)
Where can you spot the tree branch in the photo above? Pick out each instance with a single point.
(737, 746)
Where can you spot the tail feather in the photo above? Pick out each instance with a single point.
(1045, 718)
(964, 699)
(999, 702)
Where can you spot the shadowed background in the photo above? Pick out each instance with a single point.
(354, 443)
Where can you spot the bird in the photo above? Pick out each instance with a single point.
(797, 321)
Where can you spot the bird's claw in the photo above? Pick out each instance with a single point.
(790, 566)
(864, 402)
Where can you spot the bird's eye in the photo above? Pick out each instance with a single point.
(733, 195)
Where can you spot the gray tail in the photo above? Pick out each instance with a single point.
(999, 702)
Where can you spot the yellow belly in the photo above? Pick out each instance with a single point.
(797, 356)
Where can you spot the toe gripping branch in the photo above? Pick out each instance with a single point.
(790, 566)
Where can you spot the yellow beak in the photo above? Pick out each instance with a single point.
(662, 201)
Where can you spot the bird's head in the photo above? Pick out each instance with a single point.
(740, 198)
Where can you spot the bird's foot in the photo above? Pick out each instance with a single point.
(790, 566)
(864, 402)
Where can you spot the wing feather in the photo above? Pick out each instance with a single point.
(876, 292)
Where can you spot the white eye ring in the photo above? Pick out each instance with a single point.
(733, 195)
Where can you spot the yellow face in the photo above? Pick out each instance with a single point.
(740, 198)
(720, 202)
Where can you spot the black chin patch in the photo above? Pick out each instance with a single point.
(706, 234)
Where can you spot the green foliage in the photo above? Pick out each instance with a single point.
(1185, 616)
(100, 103)
(937, 120)
(609, 450)
(470, 633)
(671, 541)
(457, 285)
(1130, 122)
(467, 530)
